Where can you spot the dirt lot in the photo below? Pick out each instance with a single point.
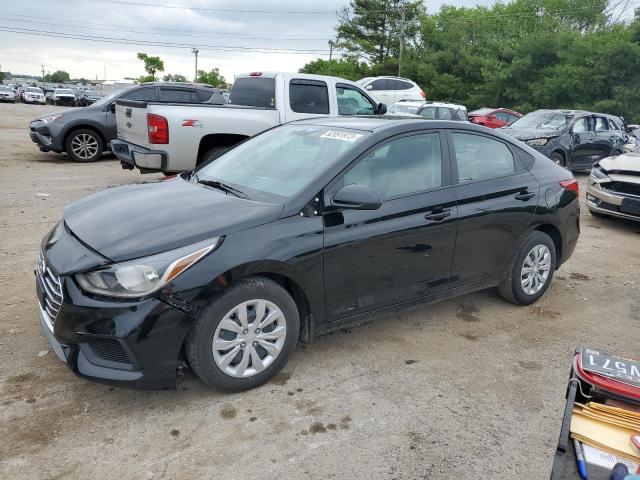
(468, 388)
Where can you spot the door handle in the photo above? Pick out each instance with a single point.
(524, 195)
(438, 215)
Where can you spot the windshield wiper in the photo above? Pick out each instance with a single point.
(222, 186)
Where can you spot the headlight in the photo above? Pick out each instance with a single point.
(141, 277)
(50, 119)
(598, 173)
(537, 142)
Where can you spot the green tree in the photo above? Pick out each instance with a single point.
(372, 29)
(347, 68)
(212, 77)
(59, 76)
(151, 64)
(174, 78)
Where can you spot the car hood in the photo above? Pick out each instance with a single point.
(530, 133)
(627, 162)
(143, 219)
(70, 113)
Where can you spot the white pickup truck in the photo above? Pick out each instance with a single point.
(174, 137)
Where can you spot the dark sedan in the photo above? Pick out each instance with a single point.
(572, 138)
(84, 133)
(300, 230)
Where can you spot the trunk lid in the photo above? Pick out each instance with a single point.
(131, 118)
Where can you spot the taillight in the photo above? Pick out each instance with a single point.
(571, 185)
(158, 129)
(422, 94)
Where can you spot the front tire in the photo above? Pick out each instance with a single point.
(531, 270)
(84, 146)
(244, 336)
(558, 158)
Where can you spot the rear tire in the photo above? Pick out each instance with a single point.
(84, 145)
(558, 158)
(219, 331)
(531, 270)
(213, 153)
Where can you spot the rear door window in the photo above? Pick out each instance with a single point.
(309, 96)
(380, 84)
(581, 126)
(481, 158)
(254, 92)
(178, 95)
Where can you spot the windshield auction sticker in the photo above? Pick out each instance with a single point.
(613, 366)
(341, 135)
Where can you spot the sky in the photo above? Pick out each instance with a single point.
(267, 35)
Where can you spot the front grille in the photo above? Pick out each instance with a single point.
(51, 289)
(622, 188)
(109, 349)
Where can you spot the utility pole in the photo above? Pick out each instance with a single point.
(331, 45)
(42, 75)
(195, 52)
(401, 41)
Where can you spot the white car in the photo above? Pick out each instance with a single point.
(389, 90)
(7, 94)
(33, 95)
(430, 110)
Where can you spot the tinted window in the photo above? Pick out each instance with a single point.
(209, 96)
(254, 92)
(428, 112)
(141, 94)
(480, 158)
(613, 125)
(445, 113)
(398, 85)
(601, 124)
(308, 96)
(380, 84)
(581, 126)
(353, 102)
(178, 95)
(401, 167)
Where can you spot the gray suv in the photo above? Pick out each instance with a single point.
(84, 133)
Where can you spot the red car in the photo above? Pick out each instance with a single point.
(494, 117)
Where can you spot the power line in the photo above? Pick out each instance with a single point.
(163, 31)
(153, 43)
(219, 10)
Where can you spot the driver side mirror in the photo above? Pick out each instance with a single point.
(357, 197)
(368, 87)
(112, 108)
(381, 109)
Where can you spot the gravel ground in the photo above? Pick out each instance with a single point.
(467, 388)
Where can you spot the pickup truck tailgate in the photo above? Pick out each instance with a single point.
(131, 118)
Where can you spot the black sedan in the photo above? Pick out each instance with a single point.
(572, 138)
(300, 230)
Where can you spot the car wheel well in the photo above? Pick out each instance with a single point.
(85, 127)
(556, 236)
(300, 299)
(561, 153)
(217, 140)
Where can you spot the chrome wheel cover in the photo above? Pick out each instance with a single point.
(84, 145)
(535, 269)
(249, 338)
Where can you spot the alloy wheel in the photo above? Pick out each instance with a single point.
(84, 146)
(249, 338)
(535, 269)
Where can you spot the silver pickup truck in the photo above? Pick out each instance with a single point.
(172, 137)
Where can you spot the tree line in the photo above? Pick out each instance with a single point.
(525, 54)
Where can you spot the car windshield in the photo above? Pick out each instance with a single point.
(5, 89)
(542, 120)
(64, 91)
(403, 108)
(481, 112)
(107, 99)
(279, 163)
(33, 90)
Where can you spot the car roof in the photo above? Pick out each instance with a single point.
(371, 123)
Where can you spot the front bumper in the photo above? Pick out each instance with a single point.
(43, 141)
(132, 156)
(132, 344)
(602, 200)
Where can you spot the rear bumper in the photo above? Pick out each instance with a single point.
(133, 156)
